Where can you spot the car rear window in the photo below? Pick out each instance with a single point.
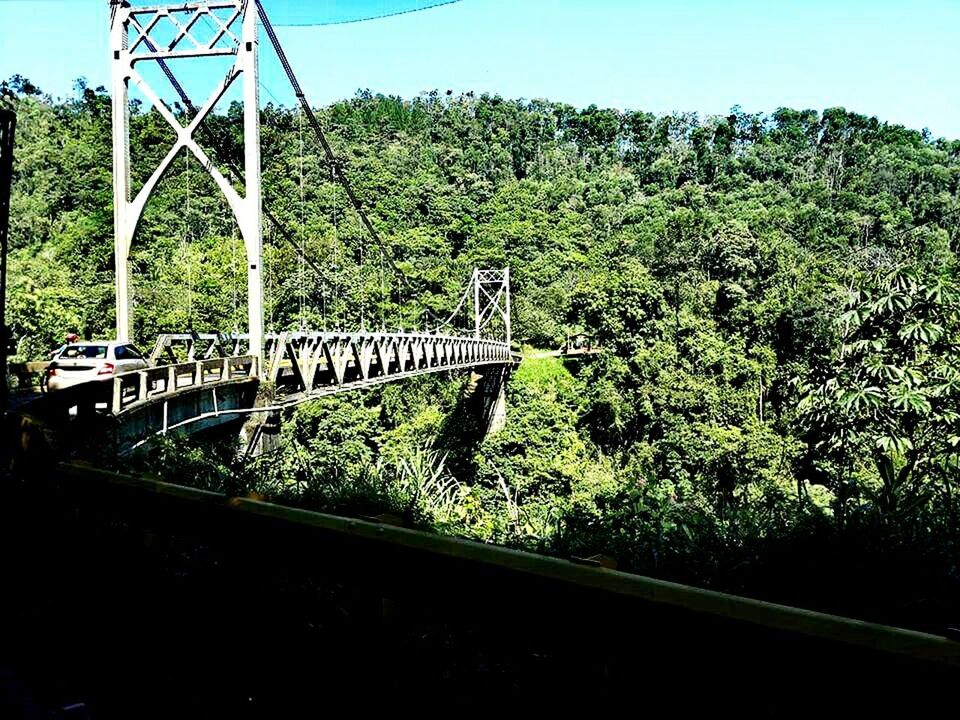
(90, 352)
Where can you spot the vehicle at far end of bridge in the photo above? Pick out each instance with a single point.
(92, 361)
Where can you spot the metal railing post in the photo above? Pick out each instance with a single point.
(142, 386)
(116, 404)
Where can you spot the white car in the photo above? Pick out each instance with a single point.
(91, 361)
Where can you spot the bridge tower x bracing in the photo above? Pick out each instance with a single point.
(491, 314)
(491, 300)
(162, 33)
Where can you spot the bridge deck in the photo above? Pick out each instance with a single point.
(205, 380)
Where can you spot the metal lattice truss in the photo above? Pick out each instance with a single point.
(317, 364)
(303, 366)
(169, 32)
(172, 32)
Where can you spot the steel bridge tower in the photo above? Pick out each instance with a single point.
(159, 33)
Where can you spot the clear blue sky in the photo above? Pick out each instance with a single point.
(897, 59)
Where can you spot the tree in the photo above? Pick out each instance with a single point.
(890, 392)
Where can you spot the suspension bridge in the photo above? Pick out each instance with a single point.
(158, 547)
(197, 381)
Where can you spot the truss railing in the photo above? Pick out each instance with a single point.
(315, 363)
(301, 366)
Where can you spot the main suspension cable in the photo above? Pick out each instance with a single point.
(301, 281)
(321, 137)
(337, 299)
(365, 18)
(337, 170)
(451, 319)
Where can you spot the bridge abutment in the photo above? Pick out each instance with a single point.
(491, 389)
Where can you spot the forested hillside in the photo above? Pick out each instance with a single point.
(776, 408)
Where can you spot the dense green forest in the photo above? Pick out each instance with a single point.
(776, 409)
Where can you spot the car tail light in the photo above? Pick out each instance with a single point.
(53, 372)
(107, 369)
